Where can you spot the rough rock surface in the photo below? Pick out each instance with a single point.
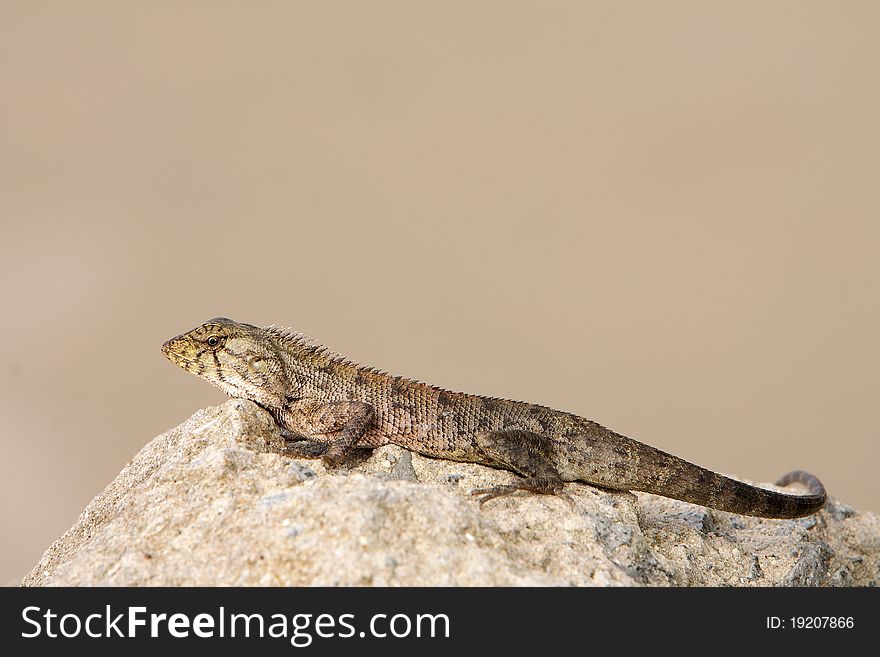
(209, 503)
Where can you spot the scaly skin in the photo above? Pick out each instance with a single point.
(327, 405)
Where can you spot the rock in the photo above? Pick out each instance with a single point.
(210, 503)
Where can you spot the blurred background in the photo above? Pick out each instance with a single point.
(662, 216)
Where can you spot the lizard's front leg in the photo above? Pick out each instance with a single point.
(338, 425)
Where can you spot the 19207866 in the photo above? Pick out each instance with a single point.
(810, 622)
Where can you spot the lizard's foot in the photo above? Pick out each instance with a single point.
(495, 491)
(568, 497)
(334, 456)
(304, 449)
(499, 491)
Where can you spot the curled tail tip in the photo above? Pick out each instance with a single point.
(811, 482)
(802, 477)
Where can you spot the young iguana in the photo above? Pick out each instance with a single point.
(327, 405)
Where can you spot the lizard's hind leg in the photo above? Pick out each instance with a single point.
(526, 453)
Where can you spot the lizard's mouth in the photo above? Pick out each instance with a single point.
(172, 351)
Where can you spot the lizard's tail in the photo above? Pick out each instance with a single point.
(719, 492)
(749, 500)
(682, 480)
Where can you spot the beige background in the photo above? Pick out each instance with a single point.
(663, 216)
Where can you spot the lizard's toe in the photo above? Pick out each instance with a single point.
(496, 491)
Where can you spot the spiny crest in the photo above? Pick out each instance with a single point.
(288, 335)
(302, 341)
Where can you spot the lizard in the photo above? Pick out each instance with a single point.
(326, 405)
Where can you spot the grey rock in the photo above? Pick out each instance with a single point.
(211, 503)
(401, 466)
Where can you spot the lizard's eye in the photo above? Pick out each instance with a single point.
(213, 341)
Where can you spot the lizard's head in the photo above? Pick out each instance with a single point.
(237, 358)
